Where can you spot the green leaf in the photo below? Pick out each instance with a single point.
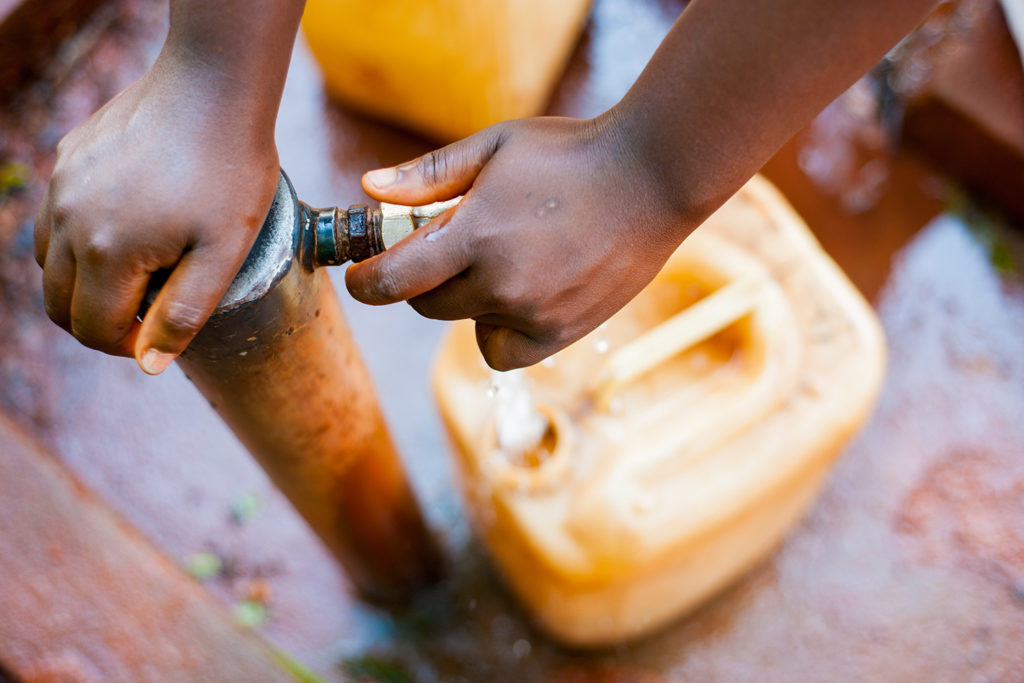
(1002, 258)
(245, 507)
(250, 614)
(376, 670)
(295, 668)
(14, 175)
(204, 565)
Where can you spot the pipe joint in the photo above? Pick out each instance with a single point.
(344, 235)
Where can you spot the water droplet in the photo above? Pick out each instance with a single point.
(521, 648)
(548, 362)
(601, 344)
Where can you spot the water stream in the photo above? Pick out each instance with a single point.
(519, 425)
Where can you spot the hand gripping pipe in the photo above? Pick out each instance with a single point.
(277, 362)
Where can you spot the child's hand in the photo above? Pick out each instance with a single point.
(175, 173)
(564, 221)
(561, 226)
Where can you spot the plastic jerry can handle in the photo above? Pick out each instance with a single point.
(682, 331)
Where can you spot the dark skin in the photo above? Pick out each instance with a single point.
(199, 124)
(564, 220)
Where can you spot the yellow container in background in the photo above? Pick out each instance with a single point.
(444, 68)
(687, 435)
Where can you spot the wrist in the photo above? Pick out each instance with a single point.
(658, 168)
(232, 54)
(221, 90)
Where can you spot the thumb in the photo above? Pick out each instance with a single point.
(182, 307)
(438, 175)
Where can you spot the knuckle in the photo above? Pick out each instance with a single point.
(494, 300)
(182, 319)
(433, 167)
(497, 134)
(387, 284)
(61, 214)
(99, 246)
(506, 296)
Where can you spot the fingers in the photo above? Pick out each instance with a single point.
(182, 307)
(456, 299)
(426, 259)
(504, 348)
(41, 234)
(105, 304)
(436, 253)
(59, 285)
(438, 175)
(89, 294)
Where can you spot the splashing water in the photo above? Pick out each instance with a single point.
(520, 427)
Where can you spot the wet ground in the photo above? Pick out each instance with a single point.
(910, 566)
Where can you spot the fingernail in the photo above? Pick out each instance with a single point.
(154, 362)
(382, 177)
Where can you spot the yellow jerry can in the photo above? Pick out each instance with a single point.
(684, 437)
(445, 68)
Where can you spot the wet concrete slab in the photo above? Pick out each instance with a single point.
(909, 567)
(59, 549)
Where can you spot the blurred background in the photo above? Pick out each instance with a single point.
(909, 567)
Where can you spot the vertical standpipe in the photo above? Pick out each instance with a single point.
(278, 363)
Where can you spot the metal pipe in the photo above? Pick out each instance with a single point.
(277, 362)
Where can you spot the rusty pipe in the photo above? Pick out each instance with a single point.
(277, 362)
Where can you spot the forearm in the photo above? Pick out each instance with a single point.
(240, 48)
(735, 79)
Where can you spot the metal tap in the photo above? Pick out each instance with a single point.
(356, 234)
